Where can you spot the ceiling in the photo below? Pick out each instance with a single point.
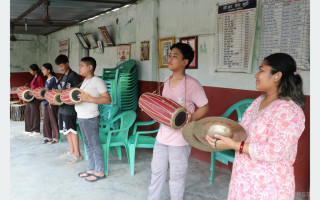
(62, 13)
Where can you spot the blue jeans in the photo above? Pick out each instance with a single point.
(90, 133)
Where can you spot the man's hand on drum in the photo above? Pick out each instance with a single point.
(84, 97)
(189, 119)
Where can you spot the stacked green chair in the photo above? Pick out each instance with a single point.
(228, 155)
(138, 139)
(128, 85)
(107, 111)
(116, 137)
(125, 77)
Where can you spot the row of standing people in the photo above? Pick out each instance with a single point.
(263, 165)
(63, 118)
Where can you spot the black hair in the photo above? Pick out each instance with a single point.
(290, 86)
(48, 66)
(90, 61)
(61, 59)
(186, 51)
(34, 67)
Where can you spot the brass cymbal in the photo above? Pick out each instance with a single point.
(211, 126)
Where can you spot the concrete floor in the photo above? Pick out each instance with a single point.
(37, 173)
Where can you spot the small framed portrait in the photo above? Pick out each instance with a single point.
(105, 35)
(164, 51)
(123, 52)
(100, 46)
(144, 50)
(82, 40)
(193, 42)
(92, 41)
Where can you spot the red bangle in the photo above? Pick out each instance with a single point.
(241, 147)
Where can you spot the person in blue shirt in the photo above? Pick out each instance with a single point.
(50, 118)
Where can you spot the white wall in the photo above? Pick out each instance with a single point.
(27, 50)
(136, 23)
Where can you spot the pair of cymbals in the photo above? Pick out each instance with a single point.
(195, 132)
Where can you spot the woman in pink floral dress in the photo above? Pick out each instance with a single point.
(263, 164)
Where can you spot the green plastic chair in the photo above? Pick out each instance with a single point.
(139, 140)
(116, 137)
(228, 155)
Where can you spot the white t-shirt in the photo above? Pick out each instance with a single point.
(94, 87)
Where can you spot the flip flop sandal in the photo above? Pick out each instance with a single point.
(74, 159)
(65, 154)
(85, 173)
(97, 178)
(45, 141)
(52, 142)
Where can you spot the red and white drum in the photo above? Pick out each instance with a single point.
(53, 97)
(70, 96)
(39, 93)
(163, 110)
(25, 93)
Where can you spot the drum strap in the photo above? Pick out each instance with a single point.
(157, 91)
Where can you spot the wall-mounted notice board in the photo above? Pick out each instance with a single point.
(285, 27)
(235, 38)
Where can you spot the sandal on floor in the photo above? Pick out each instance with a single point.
(97, 178)
(45, 141)
(85, 173)
(52, 142)
(74, 159)
(66, 154)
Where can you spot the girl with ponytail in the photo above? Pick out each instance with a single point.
(274, 122)
(32, 112)
(50, 119)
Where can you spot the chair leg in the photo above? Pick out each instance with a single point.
(132, 151)
(118, 149)
(85, 151)
(213, 163)
(111, 150)
(60, 137)
(126, 146)
(105, 150)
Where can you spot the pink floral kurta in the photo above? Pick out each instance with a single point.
(273, 135)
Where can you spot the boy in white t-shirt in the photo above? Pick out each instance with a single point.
(170, 148)
(95, 92)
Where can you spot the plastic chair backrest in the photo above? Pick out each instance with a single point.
(127, 119)
(240, 107)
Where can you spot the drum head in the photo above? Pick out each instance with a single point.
(27, 96)
(58, 99)
(75, 94)
(42, 93)
(180, 119)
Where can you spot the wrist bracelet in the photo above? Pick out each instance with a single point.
(241, 147)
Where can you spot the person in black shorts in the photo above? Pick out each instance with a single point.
(67, 113)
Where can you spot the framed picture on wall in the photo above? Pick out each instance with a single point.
(123, 52)
(93, 42)
(64, 47)
(144, 50)
(164, 51)
(82, 40)
(193, 42)
(105, 35)
(100, 46)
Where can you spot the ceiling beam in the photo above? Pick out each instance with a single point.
(105, 1)
(36, 5)
(34, 25)
(123, 3)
